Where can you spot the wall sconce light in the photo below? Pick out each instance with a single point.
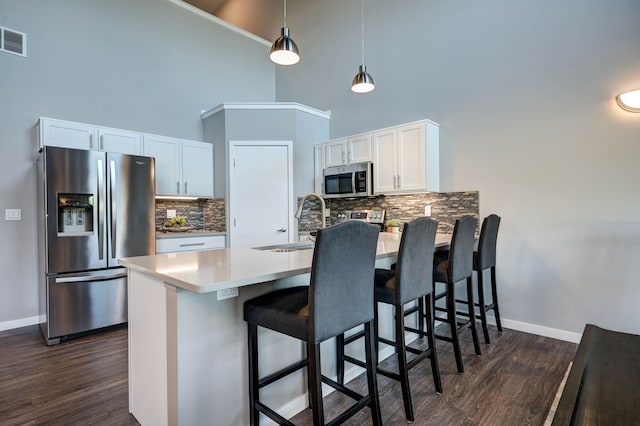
(629, 101)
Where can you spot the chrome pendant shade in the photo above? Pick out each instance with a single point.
(363, 82)
(284, 50)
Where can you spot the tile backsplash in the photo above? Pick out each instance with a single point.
(202, 214)
(446, 207)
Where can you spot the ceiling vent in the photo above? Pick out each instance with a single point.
(13, 42)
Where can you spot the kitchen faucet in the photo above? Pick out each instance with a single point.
(322, 206)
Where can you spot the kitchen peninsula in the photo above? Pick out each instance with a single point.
(187, 348)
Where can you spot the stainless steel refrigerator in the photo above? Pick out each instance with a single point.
(96, 207)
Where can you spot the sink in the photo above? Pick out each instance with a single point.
(286, 248)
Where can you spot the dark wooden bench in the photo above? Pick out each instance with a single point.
(603, 387)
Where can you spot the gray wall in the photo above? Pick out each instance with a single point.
(524, 93)
(144, 65)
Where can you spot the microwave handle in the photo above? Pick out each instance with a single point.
(353, 182)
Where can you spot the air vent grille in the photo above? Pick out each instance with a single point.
(12, 41)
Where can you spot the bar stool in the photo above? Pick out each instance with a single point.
(458, 266)
(485, 258)
(339, 297)
(410, 281)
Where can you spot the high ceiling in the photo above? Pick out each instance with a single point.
(260, 17)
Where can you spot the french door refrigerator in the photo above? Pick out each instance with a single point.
(96, 207)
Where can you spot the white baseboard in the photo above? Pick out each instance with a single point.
(539, 330)
(23, 322)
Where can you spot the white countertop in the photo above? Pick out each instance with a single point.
(211, 270)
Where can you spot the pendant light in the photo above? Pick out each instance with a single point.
(284, 50)
(362, 82)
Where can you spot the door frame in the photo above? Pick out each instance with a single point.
(233, 145)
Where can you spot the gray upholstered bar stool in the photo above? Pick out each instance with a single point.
(339, 297)
(485, 258)
(458, 266)
(410, 281)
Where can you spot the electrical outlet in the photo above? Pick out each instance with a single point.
(228, 293)
(427, 210)
(327, 213)
(171, 214)
(13, 214)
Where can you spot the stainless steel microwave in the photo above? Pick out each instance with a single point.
(353, 180)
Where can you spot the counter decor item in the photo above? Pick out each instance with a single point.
(393, 225)
(177, 224)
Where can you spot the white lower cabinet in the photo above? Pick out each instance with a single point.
(204, 242)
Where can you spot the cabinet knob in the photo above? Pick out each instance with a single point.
(282, 230)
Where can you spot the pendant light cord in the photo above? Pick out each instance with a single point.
(362, 29)
(285, 13)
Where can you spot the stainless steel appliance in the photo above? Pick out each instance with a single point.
(373, 216)
(353, 180)
(95, 207)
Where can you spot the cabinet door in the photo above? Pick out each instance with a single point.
(168, 154)
(319, 164)
(411, 158)
(197, 169)
(335, 153)
(67, 134)
(385, 160)
(359, 148)
(121, 141)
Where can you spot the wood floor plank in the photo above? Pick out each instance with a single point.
(84, 382)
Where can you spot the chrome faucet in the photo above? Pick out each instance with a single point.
(323, 206)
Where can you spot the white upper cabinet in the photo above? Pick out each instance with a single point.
(354, 149)
(122, 141)
(406, 158)
(359, 148)
(335, 153)
(68, 134)
(319, 165)
(168, 154)
(183, 168)
(197, 169)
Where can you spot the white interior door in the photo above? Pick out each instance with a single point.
(260, 193)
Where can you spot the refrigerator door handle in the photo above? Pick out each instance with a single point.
(114, 221)
(101, 212)
(92, 277)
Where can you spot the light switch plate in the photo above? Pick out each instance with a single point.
(13, 214)
(171, 214)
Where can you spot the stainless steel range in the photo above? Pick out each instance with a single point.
(373, 216)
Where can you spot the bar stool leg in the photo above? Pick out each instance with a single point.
(315, 380)
(472, 316)
(483, 306)
(254, 390)
(453, 324)
(403, 371)
(376, 331)
(494, 295)
(340, 358)
(430, 321)
(372, 360)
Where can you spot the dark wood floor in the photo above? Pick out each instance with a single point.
(84, 382)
